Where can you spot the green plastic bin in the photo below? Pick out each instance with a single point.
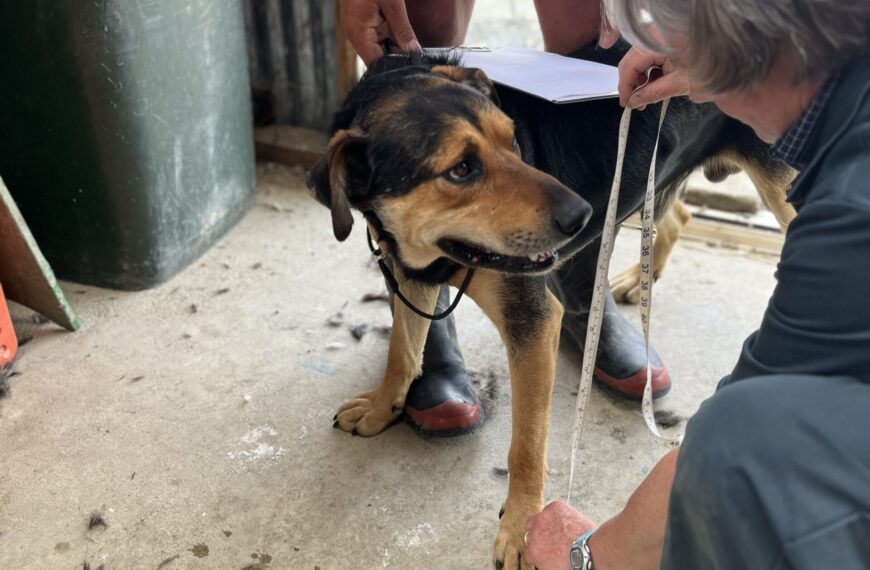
(125, 131)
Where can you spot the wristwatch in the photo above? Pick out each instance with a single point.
(581, 558)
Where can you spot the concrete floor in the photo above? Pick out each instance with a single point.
(197, 417)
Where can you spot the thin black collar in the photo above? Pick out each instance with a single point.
(394, 285)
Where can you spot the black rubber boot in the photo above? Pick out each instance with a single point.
(621, 362)
(442, 402)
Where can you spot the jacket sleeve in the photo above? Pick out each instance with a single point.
(818, 319)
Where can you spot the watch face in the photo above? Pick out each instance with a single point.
(577, 559)
(580, 557)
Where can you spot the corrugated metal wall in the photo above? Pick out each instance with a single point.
(296, 53)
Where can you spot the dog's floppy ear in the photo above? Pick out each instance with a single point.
(471, 76)
(342, 172)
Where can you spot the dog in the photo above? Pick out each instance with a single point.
(452, 175)
(626, 285)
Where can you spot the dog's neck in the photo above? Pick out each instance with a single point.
(436, 273)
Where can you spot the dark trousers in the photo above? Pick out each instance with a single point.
(774, 474)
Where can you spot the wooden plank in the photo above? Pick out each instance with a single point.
(726, 234)
(761, 220)
(25, 274)
(734, 236)
(289, 145)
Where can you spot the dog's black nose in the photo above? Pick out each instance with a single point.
(570, 212)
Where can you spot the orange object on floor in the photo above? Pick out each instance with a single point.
(8, 340)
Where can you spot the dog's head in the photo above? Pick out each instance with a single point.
(421, 145)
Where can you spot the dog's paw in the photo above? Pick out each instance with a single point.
(366, 414)
(510, 544)
(626, 286)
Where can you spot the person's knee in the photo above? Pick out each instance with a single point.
(738, 434)
(780, 455)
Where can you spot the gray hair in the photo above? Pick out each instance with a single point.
(731, 45)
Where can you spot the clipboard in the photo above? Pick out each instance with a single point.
(552, 77)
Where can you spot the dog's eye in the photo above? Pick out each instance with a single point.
(460, 171)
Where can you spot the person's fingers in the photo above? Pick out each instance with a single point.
(397, 17)
(632, 71)
(535, 525)
(536, 520)
(671, 85)
(532, 521)
(383, 31)
(360, 20)
(367, 45)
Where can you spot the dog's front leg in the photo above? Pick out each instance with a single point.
(371, 412)
(529, 317)
(532, 345)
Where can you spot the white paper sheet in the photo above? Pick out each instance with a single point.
(552, 77)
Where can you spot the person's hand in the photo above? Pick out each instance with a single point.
(367, 23)
(551, 534)
(632, 74)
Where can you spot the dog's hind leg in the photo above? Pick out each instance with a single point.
(528, 317)
(371, 412)
(772, 184)
(626, 285)
(772, 178)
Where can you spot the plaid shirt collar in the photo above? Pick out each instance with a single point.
(795, 147)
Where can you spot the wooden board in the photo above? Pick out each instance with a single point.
(731, 233)
(25, 274)
(734, 236)
(289, 145)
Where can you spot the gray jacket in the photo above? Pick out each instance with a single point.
(818, 319)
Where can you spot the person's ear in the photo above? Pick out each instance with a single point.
(340, 174)
(470, 76)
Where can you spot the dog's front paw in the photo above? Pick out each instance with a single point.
(510, 542)
(626, 286)
(367, 414)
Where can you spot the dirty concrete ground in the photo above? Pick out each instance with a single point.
(196, 418)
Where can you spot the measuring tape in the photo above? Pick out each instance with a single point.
(596, 310)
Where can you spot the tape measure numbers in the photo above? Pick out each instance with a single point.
(596, 311)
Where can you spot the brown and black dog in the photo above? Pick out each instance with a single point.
(448, 181)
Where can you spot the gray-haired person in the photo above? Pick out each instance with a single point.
(774, 472)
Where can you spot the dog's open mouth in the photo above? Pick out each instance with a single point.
(477, 256)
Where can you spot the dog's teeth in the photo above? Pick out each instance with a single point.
(475, 259)
(534, 257)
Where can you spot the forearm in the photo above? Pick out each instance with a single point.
(632, 540)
